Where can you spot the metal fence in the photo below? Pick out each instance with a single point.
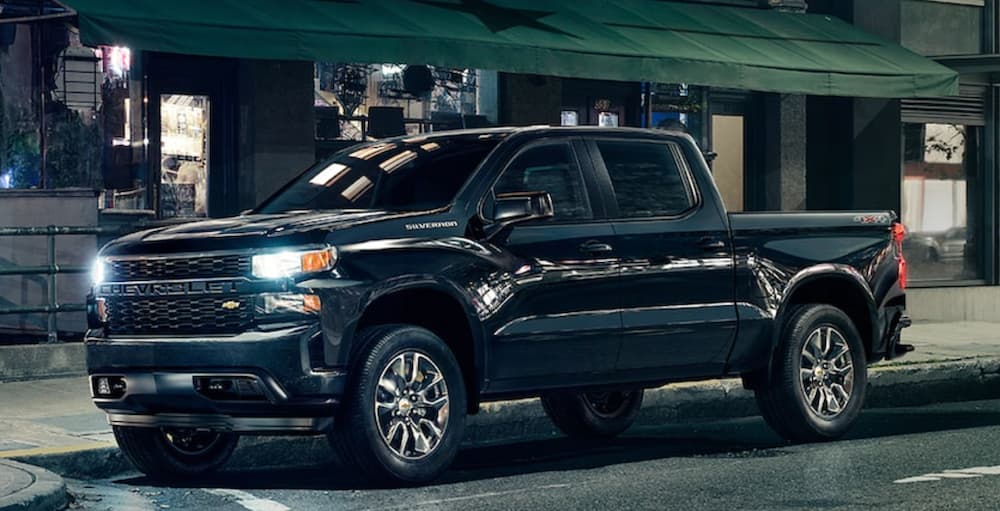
(52, 270)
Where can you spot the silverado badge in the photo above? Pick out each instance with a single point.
(230, 305)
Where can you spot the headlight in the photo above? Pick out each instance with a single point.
(286, 264)
(98, 271)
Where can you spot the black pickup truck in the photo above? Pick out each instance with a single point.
(385, 293)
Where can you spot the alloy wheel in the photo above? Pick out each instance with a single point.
(826, 372)
(411, 405)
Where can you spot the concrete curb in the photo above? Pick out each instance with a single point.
(520, 420)
(46, 492)
(31, 361)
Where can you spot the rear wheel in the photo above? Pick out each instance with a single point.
(819, 377)
(168, 453)
(593, 414)
(404, 417)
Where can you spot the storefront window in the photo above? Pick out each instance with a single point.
(375, 100)
(677, 106)
(941, 204)
(184, 149)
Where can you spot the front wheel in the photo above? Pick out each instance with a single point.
(819, 376)
(404, 416)
(593, 414)
(169, 453)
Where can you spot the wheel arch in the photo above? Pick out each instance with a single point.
(840, 286)
(433, 305)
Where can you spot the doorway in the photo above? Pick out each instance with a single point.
(736, 146)
(728, 168)
(192, 135)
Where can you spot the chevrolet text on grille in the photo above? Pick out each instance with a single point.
(168, 288)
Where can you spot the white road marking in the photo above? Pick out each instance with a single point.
(961, 473)
(250, 501)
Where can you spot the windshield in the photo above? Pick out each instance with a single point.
(401, 175)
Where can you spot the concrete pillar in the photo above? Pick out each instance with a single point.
(862, 169)
(488, 99)
(277, 128)
(784, 169)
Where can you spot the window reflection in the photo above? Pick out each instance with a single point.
(940, 201)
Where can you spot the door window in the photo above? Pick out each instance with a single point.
(552, 169)
(647, 178)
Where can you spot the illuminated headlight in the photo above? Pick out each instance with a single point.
(286, 264)
(98, 271)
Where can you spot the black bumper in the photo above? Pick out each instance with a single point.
(166, 381)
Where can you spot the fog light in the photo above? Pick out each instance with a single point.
(229, 388)
(103, 387)
(109, 387)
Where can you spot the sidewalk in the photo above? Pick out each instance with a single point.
(25, 488)
(52, 423)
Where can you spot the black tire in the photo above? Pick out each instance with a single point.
(174, 453)
(593, 414)
(357, 435)
(785, 400)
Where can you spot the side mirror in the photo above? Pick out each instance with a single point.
(512, 208)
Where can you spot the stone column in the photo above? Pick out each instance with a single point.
(784, 168)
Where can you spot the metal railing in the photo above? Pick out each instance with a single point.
(52, 270)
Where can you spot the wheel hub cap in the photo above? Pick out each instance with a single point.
(411, 405)
(827, 372)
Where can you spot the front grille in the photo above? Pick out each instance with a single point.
(178, 268)
(179, 315)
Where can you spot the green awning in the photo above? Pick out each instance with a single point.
(628, 40)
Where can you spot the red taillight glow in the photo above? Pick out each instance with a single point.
(898, 233)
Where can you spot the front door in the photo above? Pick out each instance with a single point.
(677, 303)
(562, 316)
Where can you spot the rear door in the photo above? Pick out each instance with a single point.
(676, 275)
(562, 316)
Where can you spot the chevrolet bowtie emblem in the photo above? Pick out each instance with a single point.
(230, 305)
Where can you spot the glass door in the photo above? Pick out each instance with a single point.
(184, 155)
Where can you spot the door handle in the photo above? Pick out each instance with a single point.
(711, 244)
(595, 247)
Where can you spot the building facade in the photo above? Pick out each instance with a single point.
(168, 137)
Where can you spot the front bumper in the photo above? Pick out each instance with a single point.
(165, 381)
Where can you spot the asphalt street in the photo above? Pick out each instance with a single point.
(935, 457)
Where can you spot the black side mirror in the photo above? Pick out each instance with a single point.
(512, 208)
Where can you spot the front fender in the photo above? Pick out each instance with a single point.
(410, 283)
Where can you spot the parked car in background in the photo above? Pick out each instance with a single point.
(952, 244)
(922, 247)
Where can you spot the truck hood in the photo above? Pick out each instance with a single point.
(248, 231)
(269, 225)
